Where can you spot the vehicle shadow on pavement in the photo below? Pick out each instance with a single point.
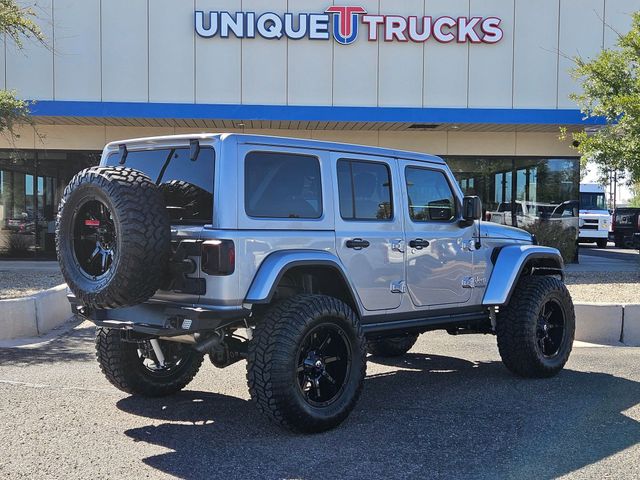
(424, 416)
(73, 346)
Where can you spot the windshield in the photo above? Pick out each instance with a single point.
(187, 185)
(592, 201)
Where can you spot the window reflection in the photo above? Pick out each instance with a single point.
(31, 185)
(523, 192)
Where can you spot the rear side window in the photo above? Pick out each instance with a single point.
(187, 186)
(430, 196)
(364, 190)
(282, 185)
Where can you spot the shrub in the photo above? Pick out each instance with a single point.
(16, 245)
(557, 235)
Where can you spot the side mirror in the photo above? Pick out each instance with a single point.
(471, 209)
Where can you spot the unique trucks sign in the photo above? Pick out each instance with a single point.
(344, 23)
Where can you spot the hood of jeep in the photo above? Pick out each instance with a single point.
(494, 230)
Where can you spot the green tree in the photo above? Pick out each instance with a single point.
(611, 90)
(635, 201)
(16, 23)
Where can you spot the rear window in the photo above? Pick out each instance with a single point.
(187, 186)
(282, 185)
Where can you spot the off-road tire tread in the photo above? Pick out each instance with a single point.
(516, 324)
(275, 339)
(117, 363)
(392, 346)
(144, 226)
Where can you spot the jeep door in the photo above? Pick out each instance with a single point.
(439, 250)
(369, 227)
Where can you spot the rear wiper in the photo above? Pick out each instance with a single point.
(165, 166)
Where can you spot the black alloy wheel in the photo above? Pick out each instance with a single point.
(94, 239)
(551, 329)
(324, 359)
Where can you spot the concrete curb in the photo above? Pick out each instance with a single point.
(608, 324)
(34, 315)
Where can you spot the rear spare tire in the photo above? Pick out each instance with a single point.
(113, 237)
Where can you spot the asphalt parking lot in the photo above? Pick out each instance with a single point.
(448, 409)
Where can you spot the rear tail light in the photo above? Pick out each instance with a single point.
(218, 257)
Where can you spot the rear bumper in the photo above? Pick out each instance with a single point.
(161, 319)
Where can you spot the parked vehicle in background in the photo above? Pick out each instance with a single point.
(526, 213)
(595, 220)
(625, 224)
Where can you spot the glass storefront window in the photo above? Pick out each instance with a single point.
(524, 192)
(31, 185)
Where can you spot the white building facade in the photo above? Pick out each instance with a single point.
(484, 83)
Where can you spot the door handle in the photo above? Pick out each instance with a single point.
(419, 243)
(357, 244)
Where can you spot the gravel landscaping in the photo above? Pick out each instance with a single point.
(604, 287)
(14, 284)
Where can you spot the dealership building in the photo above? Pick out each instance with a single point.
(483, 83)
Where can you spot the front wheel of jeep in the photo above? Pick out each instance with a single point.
(536, 329)
(307, 363)
(133, 367)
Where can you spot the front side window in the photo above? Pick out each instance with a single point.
(430, 196)
(365, 190)
(282, 185)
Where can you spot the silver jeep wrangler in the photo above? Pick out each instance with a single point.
(300, 257)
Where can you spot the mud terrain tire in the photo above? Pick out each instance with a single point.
(284, 340)
(121, 364)
(113, 237)
(536, 329)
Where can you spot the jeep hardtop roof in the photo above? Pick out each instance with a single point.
(266, 140)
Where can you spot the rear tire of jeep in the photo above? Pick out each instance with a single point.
(392, 346)
(602, 243)
(536, 329)
(126, 369)
(307, 363)
(113, 237)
